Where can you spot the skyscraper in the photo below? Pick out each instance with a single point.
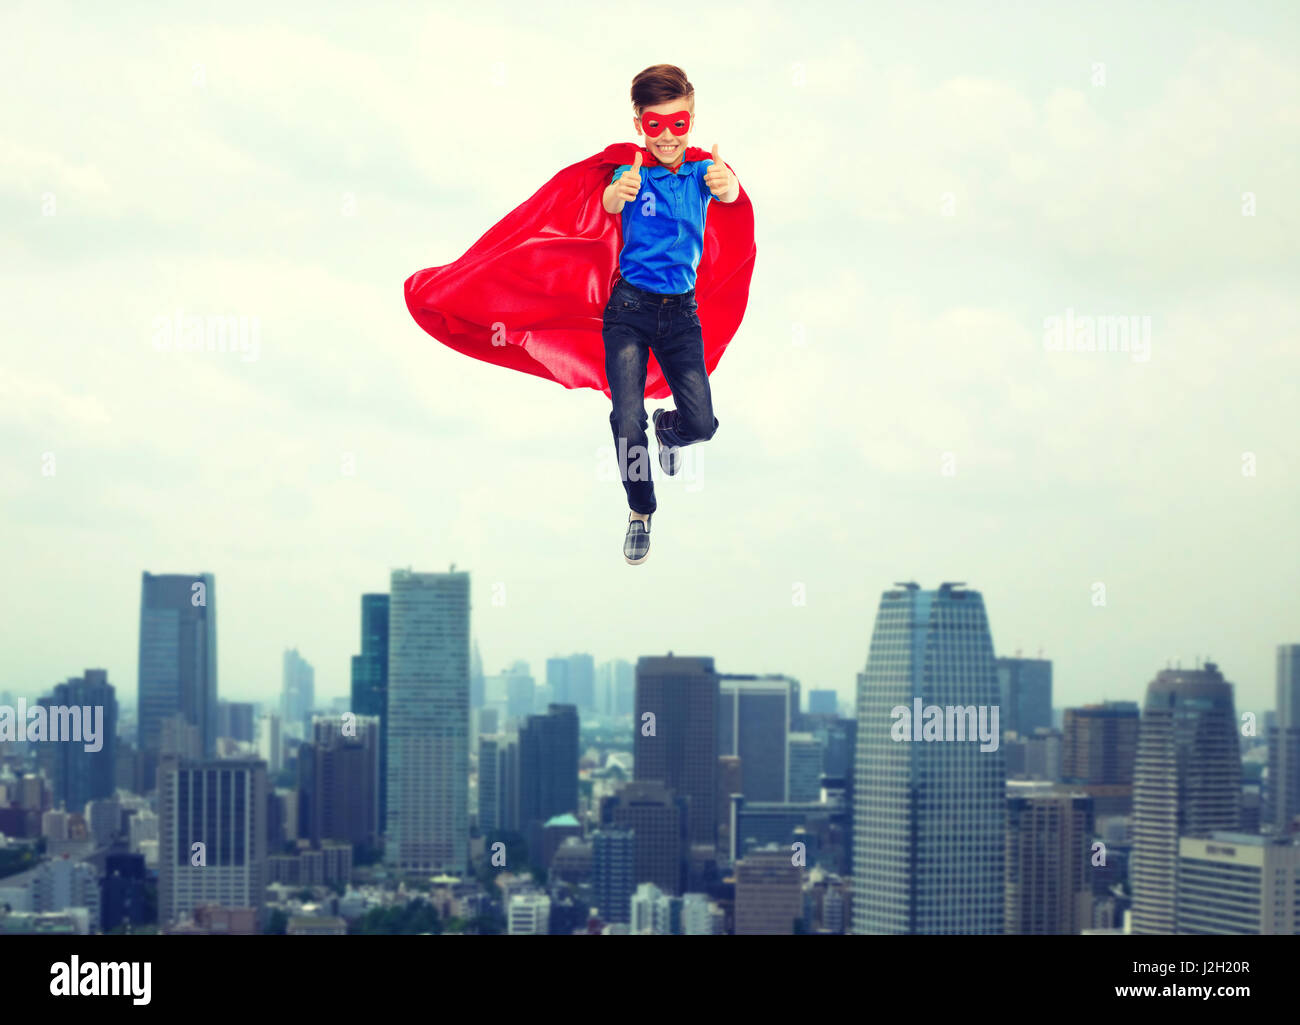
(1025, 685)
(755, 716)
(658, 819)
(1187, 781)
(476, 679)
(221, 805)
(769, 893)
(428, 723)
(1282, 795)
(1049, 835)
(582, 683)
(338, 776)
(823, 702)
(237, 720)
(1099, 743)
(491, 785)
(557, 678)
(298, 693)
(613, 872)
(929, 817)
(805, 757)
(78, 775)
(521, 693)
(370, 681)
(681, 693)
(178, 656)
(548, 769)
(622, 686)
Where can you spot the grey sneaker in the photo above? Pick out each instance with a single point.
(636, 546)
(670, 456)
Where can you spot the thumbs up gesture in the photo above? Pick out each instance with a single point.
(720, 181)
(629, 182)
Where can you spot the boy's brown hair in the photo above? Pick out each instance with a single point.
(660, 83)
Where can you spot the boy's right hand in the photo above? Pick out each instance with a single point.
(629, 182)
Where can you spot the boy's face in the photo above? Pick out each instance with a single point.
(667, 147)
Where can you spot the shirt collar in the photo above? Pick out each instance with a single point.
(659, 170)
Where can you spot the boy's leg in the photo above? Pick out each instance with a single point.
(681, 357)
(626, 354)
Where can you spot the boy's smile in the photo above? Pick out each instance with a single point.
(669, 149)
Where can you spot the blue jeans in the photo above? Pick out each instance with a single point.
(637, 323)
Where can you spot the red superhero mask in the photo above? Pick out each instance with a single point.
(653, 124)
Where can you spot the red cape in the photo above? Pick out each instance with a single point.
(530, 294)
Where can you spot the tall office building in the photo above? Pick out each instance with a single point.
(237, 720)
(769, 893)
(222, 805)
(548, 769)
(682, 695)
(1099, 743)
(178, 657)
(617, 680)
(298, 693)
(492, 769)
(1187, 781)
(804, 758)
(1049, 838)
(755, 716)
(476, 679)
(613, 873)
(1025, 686)
(572, 679)
(1282, 793)
(929, 817)
(557, 678)
(582, 683)
(370, 681)
(659, 820)
(521, 693)
(823, 702)
(338, 774)
(77, 775)
(1238, 884)
(428, 723)
(270, 743)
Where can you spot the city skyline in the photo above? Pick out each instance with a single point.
(537, 667)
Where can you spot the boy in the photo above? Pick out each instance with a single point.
(652, 306)
(627, 224)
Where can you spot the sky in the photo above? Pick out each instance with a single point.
(934, 186)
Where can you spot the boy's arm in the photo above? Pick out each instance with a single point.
(719, 180)
(623, 189)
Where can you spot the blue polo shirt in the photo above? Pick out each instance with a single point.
(663, 239)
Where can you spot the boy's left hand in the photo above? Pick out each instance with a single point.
(721, 182)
